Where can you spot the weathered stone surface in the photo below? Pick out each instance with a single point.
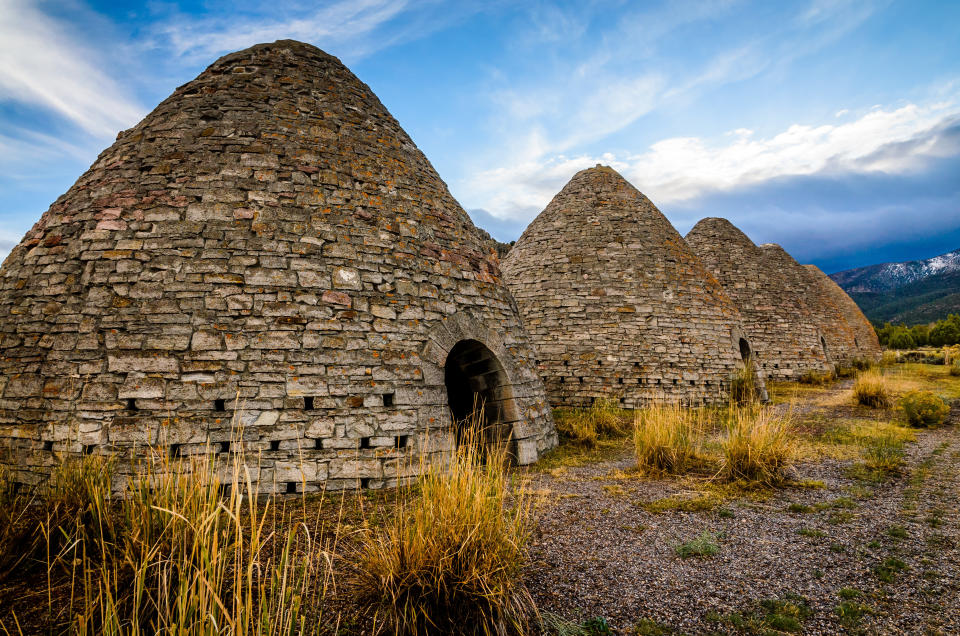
(268, 239)
(860, 337)
(781, 329)
(617, 304)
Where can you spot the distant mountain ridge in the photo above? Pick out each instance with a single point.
(889, 276)
(911, 292)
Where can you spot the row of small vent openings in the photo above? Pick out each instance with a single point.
(220, 405)
(176, 450)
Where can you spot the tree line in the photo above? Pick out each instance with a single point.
(943, 332)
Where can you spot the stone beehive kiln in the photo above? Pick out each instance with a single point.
(839, 340)
(775, 317)
(267, 237)
(866, 345)
(617, 304)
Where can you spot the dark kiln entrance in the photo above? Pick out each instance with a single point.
(475, 379)
(744, 350)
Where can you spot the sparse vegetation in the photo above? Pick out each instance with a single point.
(704, 545)
(924, 408)
(888, 569)
(870, 389)
(584, 427)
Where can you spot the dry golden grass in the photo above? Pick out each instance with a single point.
(179, 552)
(870, 389)
(450, 559)
(758, 446)
(604, 419)
(666, 438)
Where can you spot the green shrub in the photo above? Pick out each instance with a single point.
(924, 408)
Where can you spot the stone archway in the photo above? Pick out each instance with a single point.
(746, 354)
(478, 393)
(510, 394)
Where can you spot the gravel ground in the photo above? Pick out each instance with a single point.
(598, 553)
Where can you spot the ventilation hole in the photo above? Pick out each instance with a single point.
(401, 441)
(223, 490)
(48, 445)
(365, 482)
(176, 450)
(566, 363)
(692, 382)
(580, 379)
(223, 447)
(291, 487)
(636, 364)
(318, 443)
(619, 380)
(88, 449)
(219, 405)
(274, 444)
(365, 442)
(537, 362)
(308, 402)
(388, 399)
(132, 404)
(623, 400)
(599, 362)
(16, 487)
(674, 380)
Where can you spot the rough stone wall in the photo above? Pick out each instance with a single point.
(865, 342)
(270, 238)
(617, 304)
(776, 319)
(838, 336)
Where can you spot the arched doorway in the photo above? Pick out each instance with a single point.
(475, 380)
(745, 353)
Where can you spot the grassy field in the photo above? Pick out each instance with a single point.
(485, 548)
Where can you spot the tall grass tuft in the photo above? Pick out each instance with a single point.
(665, 437)
(450, 559)
(757, 446)
(870, 389)
(186, 548)
(744, 388)
(195, 554)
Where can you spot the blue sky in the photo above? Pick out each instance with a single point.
(830, 127)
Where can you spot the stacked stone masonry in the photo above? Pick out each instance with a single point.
(840, 340)
(617, 304)
(866, 345)
(781, 328)
(265, 262)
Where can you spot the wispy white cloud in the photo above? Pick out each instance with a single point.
(350, 28)
(43, 65)
(895, 140)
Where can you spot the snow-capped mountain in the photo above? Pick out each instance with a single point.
(890, 276)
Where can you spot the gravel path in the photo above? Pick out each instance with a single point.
(598, 553)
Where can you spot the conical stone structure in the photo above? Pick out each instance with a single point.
(267, 240)
(839, 337)
(617, 304)
(866, 345)
(775, 316)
